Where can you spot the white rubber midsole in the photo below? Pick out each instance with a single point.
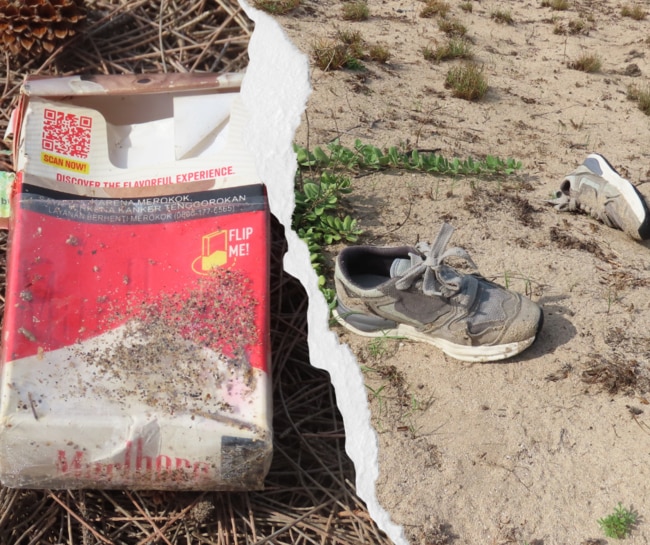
(458, 351)
(624, 186)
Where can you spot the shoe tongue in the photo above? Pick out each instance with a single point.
(399, 267)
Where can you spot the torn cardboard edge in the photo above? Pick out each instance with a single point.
(278, 81)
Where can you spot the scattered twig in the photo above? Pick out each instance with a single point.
(79, 519)
(32, 404)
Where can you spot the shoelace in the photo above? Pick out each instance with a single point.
(438, 278)
(567, 203)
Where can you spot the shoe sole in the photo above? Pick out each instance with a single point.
(484, 353)
(625, 187)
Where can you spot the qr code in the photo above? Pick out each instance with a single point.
(66, 133)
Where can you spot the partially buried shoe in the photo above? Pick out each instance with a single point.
(405, 292)
(596, 188)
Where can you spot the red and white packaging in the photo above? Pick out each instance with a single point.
(135, 348)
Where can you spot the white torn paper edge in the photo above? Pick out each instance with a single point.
(275, 92)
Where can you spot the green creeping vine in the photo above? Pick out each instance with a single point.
(369, 157)
(318, 221)
(321, 183)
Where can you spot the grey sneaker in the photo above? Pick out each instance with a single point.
(596, 188)
(414, 294)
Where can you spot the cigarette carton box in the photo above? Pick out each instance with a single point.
(135, 341)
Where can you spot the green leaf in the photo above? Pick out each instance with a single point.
(311, 190)
(393, 157)
(303, 157)
(333, 222)
(331, 238)
(321, 156)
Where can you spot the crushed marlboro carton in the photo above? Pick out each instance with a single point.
(135, 342)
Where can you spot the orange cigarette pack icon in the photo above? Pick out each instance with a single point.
(214, 251)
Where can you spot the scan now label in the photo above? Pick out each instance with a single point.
(66, 163)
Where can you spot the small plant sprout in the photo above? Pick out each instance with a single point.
(620, 523)
(455, 48)
(587, 62)
(467, 81)
(578, 26)
(428, 53)
(377, 347)
(435, 8)
(528, 287)
(352, 63)
(356, 11)
(612, 297)
(452, 27)
(635, 12)
(415, 403)
(502, 16)
(329, 55)
(509, 276)
(354, 40)
(559, 28)
(642, 96)
(556, 5)
(276, 7)
(379, 53)
(375, 393)
(344, 52)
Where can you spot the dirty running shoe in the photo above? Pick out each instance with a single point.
(414, 294)
(596, 188)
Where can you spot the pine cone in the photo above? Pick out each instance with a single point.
(30, 28)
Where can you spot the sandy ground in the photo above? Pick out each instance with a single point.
(538, 448)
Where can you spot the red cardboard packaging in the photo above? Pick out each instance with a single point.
(135, 343)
